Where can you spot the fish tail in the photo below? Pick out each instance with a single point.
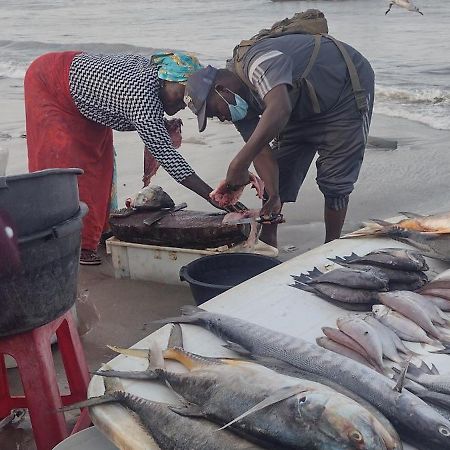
(106, 398)
(190, 314)
(176, 337)
(112, 387)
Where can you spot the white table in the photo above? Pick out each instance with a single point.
(267, 300)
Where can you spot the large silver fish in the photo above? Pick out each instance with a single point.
(167, 428)
(298, 413)
(416, 421)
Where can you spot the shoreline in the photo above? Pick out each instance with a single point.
(413, 177)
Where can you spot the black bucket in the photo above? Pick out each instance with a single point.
(37, 201)
(211, 275)
(45, 286)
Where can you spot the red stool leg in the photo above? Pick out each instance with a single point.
(75, 366)
(5, 400)
(37, 370)
(73, 358)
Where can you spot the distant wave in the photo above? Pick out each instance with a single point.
(430, 106)
(15, 56)
(429, 95)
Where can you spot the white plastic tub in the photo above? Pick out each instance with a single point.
(163, 264)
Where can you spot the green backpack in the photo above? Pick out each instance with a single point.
(312, 22)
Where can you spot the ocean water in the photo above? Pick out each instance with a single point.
(410, 53)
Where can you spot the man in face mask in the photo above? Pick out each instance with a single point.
(294, 96)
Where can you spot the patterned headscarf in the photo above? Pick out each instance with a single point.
(175, 66)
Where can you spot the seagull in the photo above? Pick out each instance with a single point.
(407, 4)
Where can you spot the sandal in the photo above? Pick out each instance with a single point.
(89, 257)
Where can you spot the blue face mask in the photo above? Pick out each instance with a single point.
(237, 111)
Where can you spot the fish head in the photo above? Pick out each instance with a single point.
(342, 423)
(433, 430)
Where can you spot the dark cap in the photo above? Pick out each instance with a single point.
(198, 86)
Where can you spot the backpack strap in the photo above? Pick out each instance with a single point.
(295, 91)
(358, 91)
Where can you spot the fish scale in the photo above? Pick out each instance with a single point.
(416, 421)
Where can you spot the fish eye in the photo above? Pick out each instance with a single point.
(444, 431)
(302, 399)
(356, 436)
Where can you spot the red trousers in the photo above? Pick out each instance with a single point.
(59, 136)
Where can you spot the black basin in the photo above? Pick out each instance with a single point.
(37, 201)
(211, 275)
(45, 286)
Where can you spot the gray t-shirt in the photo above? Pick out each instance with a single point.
(282, 60)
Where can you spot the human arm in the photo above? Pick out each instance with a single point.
(272, 121)
(267, 168)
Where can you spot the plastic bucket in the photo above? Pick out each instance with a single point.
(211, 275)
(45, 286)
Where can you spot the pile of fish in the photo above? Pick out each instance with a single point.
(419, 317)
(232, 403)
(377, 339)
(430, 234)
(357, 284)
(282, 392)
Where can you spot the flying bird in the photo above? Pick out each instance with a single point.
(407, 4)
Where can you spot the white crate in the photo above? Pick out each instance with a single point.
(163, 264)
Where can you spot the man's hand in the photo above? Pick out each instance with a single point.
(271, 209)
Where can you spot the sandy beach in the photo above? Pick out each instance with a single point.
(414, 177)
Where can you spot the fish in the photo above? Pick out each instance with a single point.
(343, 339)
(388, 339)
(432, 381)
(433, 311)
(437, 289)
(407, 277)
(405, 328)
(166, 427)
(336, 347)
(403, 303)
(302, 414)
(370, 278)
(176, 340)
(415, 421)
(390, 258)
(442, 303)
(435, 223)
(364, 334)
(339, 294)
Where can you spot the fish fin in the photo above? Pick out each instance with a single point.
(176, 336)
(155, 357)
(237, 348)
(369, 229)
(276, 397)
(302, 278)
(315, 272)
(434, 370)
(187, 410)
(411, 215)
(131, 375)
(136, 352)
(402, 375)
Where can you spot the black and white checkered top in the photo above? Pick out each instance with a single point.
(122, 92)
